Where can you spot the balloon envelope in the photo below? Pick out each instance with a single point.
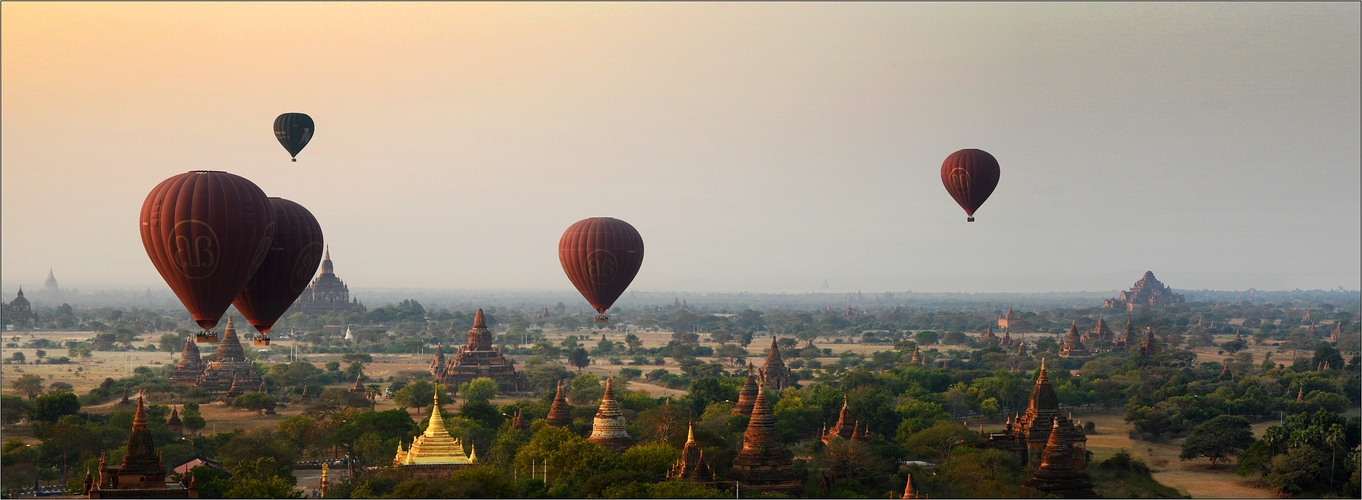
(601, 255)
(294, 130)
(970, 175)
(206, 232)
(294, 254)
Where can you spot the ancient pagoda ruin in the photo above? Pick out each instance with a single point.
(190, 367)
(608, 428)
(229, 374)
(1099, 333)
(1148, 292)
(747, 396)
(560, 413)
(845, 428)
(774, 373)
(142, 474)
(434, 454)
(692, 466)
(1027, 434)
(765, 464)
(1057, 474)
(477, 359)
(1073, 346)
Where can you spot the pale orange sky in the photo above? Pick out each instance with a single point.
(757, 147)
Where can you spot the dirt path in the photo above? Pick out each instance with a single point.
(1193, 477)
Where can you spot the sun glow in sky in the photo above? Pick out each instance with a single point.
(756, 147)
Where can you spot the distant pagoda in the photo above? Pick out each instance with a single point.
(434, 454)
(560, 413)
(774, 373)
(229, 373)
(1127, 339)
(189, 368)
(1099, 333)
(1057, 474)
(1073, 346)
(608, 428)
(845, 427)
(747, 396)
(326, 294)
(142, 474)
(1006, 341)
(692, 466)
(988, 338)
(1147, 292)
(765, 464)
(477, 359)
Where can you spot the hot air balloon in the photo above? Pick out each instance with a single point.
(207, 232)
(294, 254)
(970, 176)
(293, 131)
(601, 255)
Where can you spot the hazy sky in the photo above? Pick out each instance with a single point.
(756, 147)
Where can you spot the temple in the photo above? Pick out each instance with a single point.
(1099, 333)
(988, 339)
(774, 373)
(1007, 320)
(845, 428)
(142, 474)
(326, 294)
(560, 414)
(765, 464)
(1057, 474)
(434, 454)
(1148, 348)
(747, 396)
(477, 359)
(189, 368)
(18, 312)
(229, 374)
(1148, 292)
(1027, 435)
(1073, 347)
(608, 428)
(692, 466)
(1124, 342)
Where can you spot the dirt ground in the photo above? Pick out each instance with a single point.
(1193, 477)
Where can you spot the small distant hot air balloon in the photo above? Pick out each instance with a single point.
(206, 232)
(294, 254)
(601, 256)
(294, 130)
(970, 175)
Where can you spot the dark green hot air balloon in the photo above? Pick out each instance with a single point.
(293, 131)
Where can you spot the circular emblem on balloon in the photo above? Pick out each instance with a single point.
(196, 249)
(601, 266)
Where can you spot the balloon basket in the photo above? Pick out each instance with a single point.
(601, 318)
(261, 341)
(295, 160)
(206, 339)
(970, 219)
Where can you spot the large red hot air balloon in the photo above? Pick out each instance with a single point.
(970, 176)
(206, 232)
(294, 254)
(601, 255)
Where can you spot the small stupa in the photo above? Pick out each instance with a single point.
(560, 414)
(608, 428)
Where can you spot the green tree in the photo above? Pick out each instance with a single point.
(1217, 438)
(28, 384)
(52, 407)
(256, 401)
(18, 357)
(938, 440)
(13, 409)
(170, 342)
(479, 389)
(652, 459)
(417, 395)
(926, 337)
(578, 358)
(262, 477)
(1298, 471)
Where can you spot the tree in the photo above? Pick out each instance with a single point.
(52, 407)
(29, 384)
(925, 337)
(578, 358)
(18, 357)
(257, 401)
(1218, 438)
(417, 395)
(170, 342)
(479, 389)
(938, 440)
(357, 357)
(40, 354)
(262, 477)
(13, 409)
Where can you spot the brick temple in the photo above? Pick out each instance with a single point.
(765, 464)
(229, 374)
(476, 359)
(1148, 292)
(142, 474)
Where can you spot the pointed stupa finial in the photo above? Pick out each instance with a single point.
(139, 420)
(479, 321)
(690, 431)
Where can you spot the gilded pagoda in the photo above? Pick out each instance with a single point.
(434, 454)
(476, 359)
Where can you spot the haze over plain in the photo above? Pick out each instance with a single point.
(756, 147)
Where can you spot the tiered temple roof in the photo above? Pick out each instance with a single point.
(608, 428)
(142, 474)
(326, 294)
(1006, 341)
(434, 446)
(189, 368)
(1057, 474)
(1101, 332)
(747, 396)
(1073, 346)
(1027, 436)
(1147, 292)
(845, 427)
(774, 373)
(765, 464)
(1127, 339)
(229, 373)
(476, 359)
(692, 465)
(560, 413)
(988, 337)
(1006, 320)
(1148, 347)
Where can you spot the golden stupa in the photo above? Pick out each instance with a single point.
(434, 446)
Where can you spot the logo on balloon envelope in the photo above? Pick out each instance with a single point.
(196, 248)
(601, 266)
(303, 269)
(960, 178)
